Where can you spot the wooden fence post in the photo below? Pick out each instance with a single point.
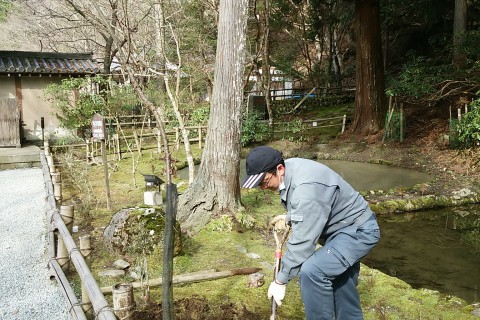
(177, 139)
(86, 250)
(200, 137)
(46, 148)
(401, 122)
(344, 122)
(123, 302)
(57, 192)
(66, 213)
(159, 142)
(168, 246)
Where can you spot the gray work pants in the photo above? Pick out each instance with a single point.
(329, 278)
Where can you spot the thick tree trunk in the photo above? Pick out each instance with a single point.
(459, 29)
(216, 189)
(370, 108)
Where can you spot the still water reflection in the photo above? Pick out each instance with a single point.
(428, 250)
(362, 176)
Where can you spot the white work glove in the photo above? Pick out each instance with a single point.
(279, 222)
(277, 291)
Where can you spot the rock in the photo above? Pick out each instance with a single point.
(134, 275)
(476, 312)
(256, 280)
(137, 230)
(121, 264)
(112, 235)
(111, 273)
(462, 193)
(241, 249)
(253, 255)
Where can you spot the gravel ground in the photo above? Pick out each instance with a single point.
(26, 291)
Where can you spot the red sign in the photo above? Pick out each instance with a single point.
(98, 127)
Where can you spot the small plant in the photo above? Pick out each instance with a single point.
(77, 174)
(245, 219)
(224, 223)
(469, 126)
(293, 130)
(75, 102)
(253, 128)
(418, 78)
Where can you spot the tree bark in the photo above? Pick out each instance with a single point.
(216, 190)
(370, 107)
(459, 29)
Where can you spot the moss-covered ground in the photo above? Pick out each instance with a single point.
(225, 244)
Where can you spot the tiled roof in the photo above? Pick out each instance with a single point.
(25, 62)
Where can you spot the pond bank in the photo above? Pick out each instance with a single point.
(455, 175)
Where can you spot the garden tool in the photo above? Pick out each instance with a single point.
(279, 242)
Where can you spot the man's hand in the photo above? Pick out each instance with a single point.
(277, 291)
(279, 223)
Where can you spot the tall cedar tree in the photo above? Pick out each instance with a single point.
(216, 189)
(370, 102)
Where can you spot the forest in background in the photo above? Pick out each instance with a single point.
(172, 51)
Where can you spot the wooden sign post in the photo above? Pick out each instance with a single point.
(99, 133)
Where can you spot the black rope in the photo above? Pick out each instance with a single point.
(70, 252)
(102, 309)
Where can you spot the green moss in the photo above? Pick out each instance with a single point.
(382, 297)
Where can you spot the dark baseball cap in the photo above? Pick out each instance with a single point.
(259, 161)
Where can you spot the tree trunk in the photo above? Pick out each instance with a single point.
(459, 29)
(370, 108)
(216, 189)
(266, 64)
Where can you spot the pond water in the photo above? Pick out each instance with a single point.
(362, 176)
(429, 249)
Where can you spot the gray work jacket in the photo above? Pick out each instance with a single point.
(319, 203)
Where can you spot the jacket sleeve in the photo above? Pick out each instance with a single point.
(308, 214)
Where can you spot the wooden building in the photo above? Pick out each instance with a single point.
(25, 115)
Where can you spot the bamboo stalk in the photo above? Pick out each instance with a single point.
(75, 308)
(191, 277)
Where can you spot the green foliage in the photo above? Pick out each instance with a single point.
(145, 232)
(253, 128)
(75, 104)
(245, 219)
(200, 115)
(5, 6)
(286, 106)
(470, 45)
(76, 174)
(72, 112)
(224, 223)
(418, 78)
(395, 126)
(453, 139)
(292, 130)
(469, 126)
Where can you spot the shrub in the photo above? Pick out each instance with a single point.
(253, 128)
(469, 126)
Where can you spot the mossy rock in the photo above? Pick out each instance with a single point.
(137, 231)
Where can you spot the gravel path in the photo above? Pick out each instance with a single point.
(26, 292)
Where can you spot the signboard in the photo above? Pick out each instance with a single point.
(98, 127)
